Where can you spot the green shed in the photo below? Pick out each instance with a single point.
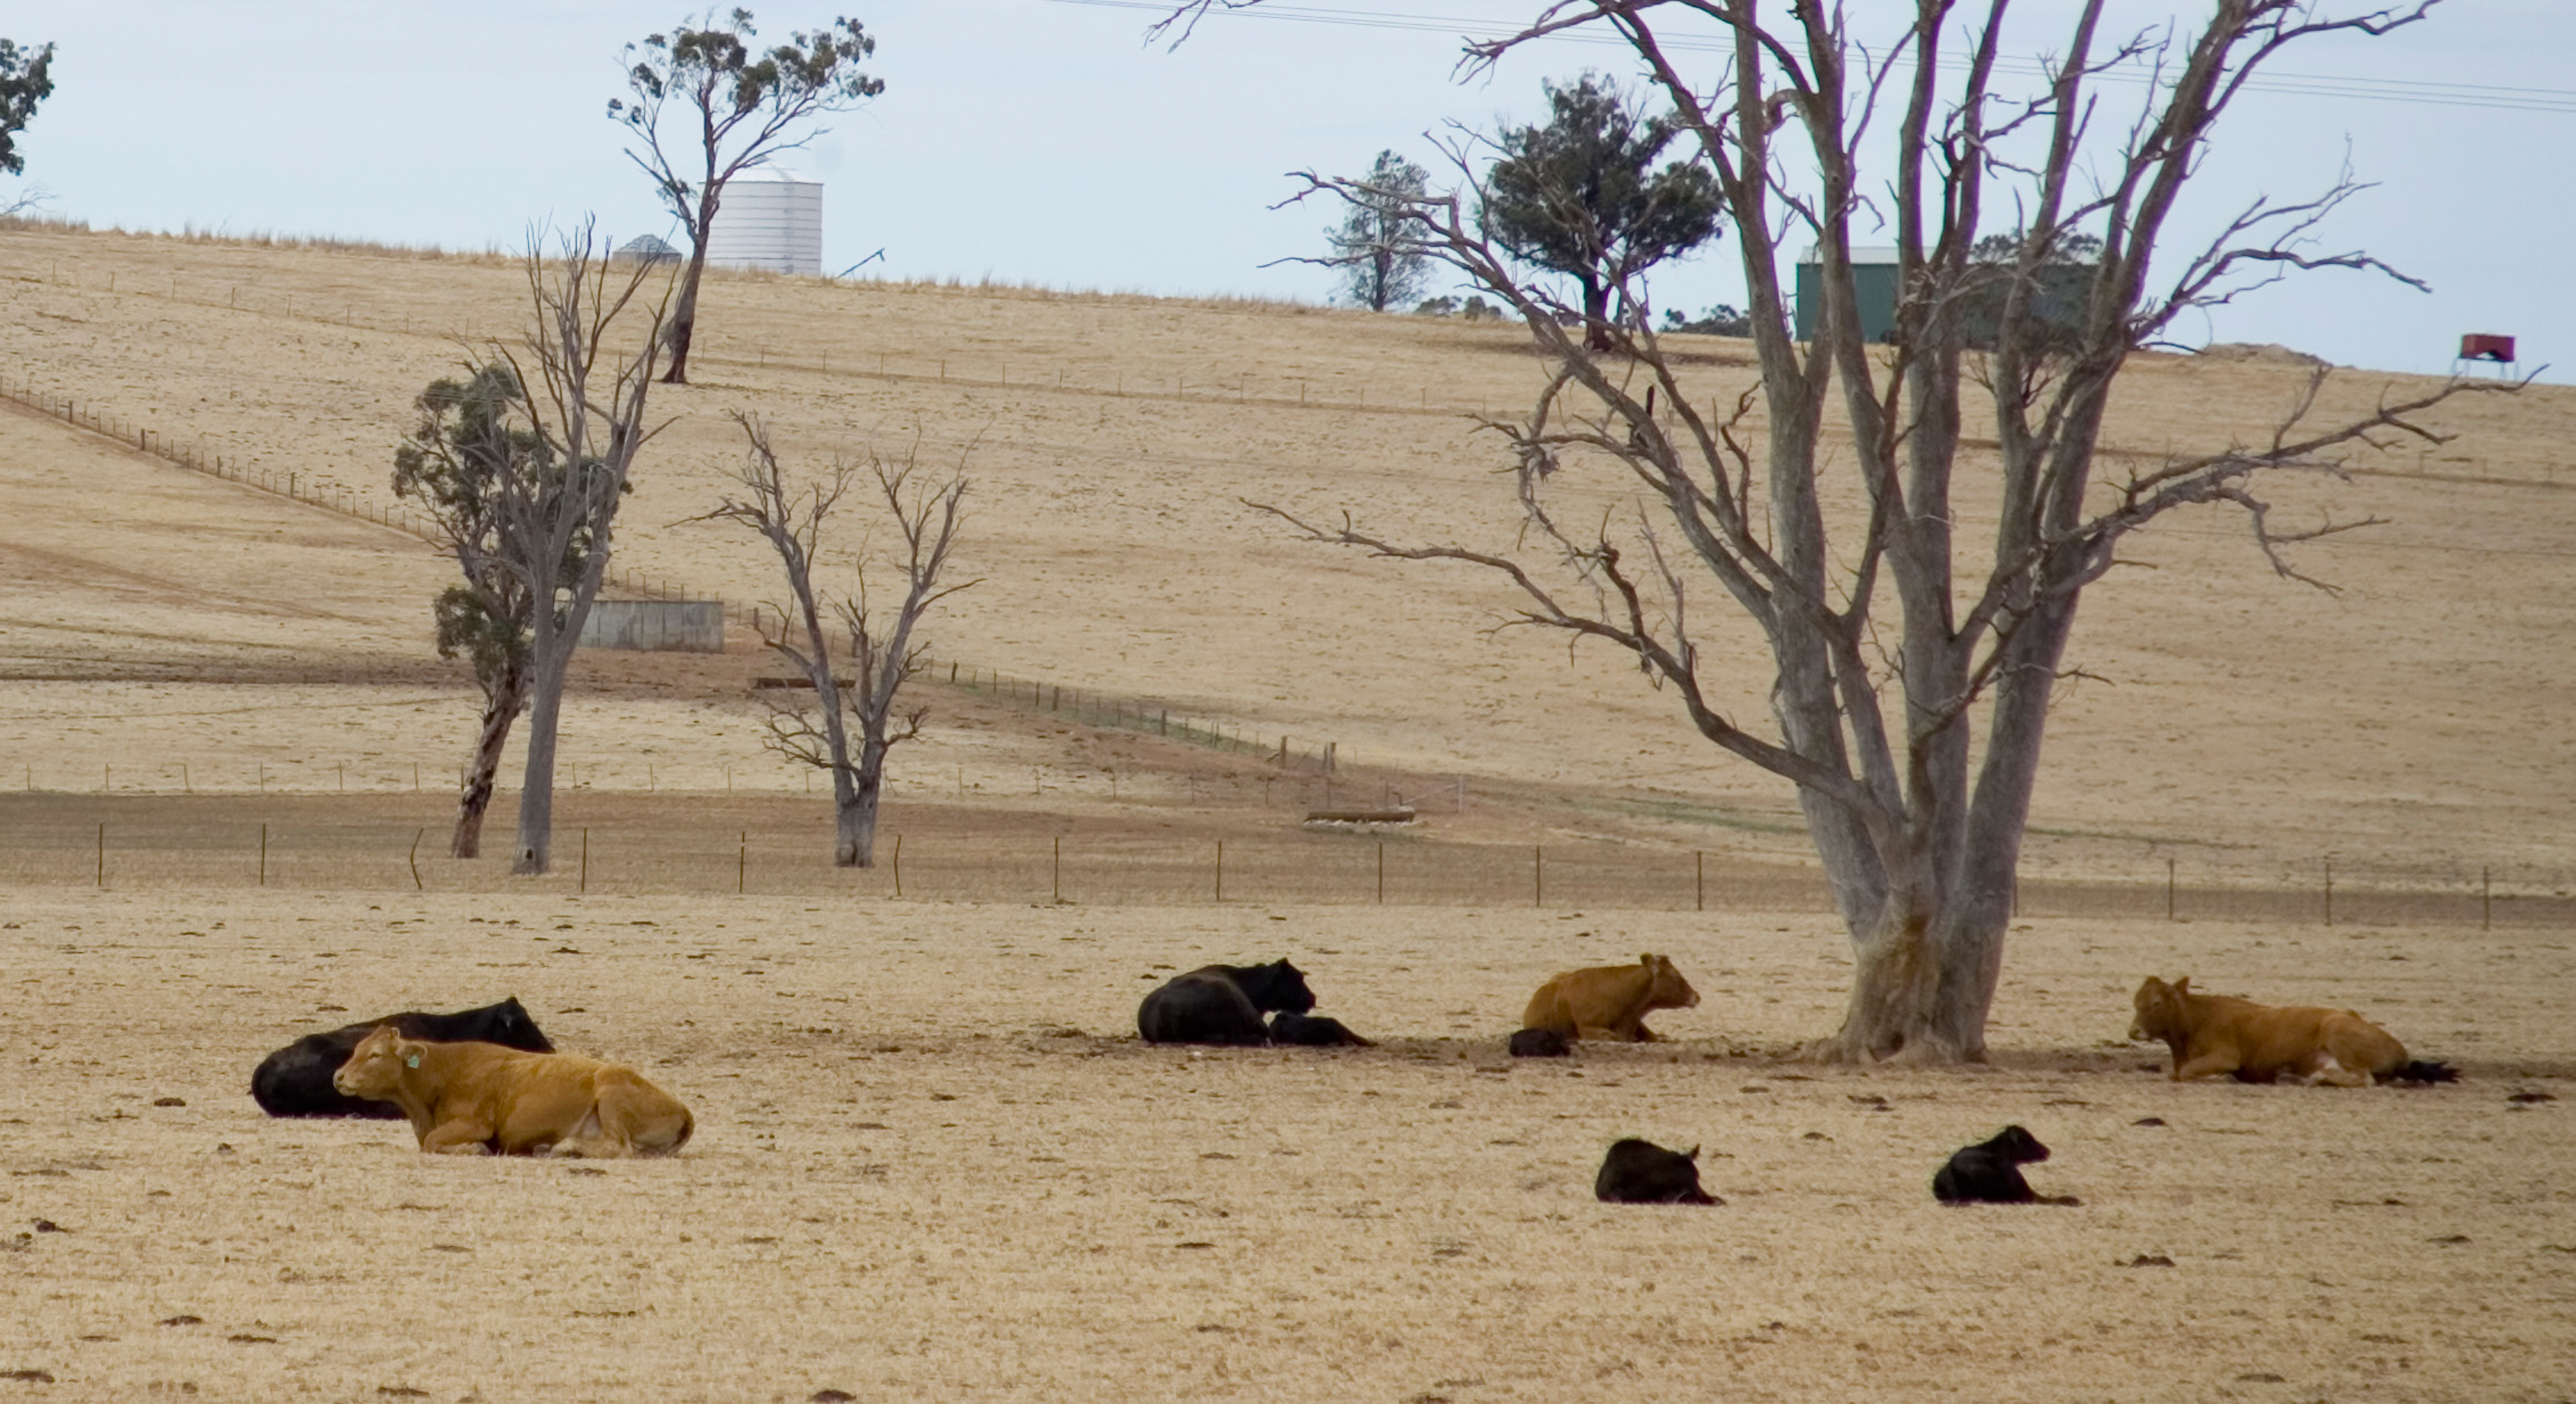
(1873, 277)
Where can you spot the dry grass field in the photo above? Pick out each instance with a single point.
(930, 1166)
(934, 1163)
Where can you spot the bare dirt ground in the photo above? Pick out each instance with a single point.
(932, 1162)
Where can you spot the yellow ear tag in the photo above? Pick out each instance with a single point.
(412, 1062)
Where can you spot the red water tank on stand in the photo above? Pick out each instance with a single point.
(2486, 346)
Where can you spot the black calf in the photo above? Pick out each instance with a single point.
(1540, 1043)
(1314, 1031)
(1641, 1172)
(1990, 1172)
(296, 1080)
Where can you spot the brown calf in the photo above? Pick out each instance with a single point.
(474, 1098)
(2215, 1034)
(1609, 1001)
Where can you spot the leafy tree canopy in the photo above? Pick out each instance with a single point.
(26, 79)
(1582, 195)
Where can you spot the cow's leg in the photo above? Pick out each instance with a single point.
(590, 1140)
(2214, 1063)
(1642, 1034)
(2333, 1073)
(462, 1137)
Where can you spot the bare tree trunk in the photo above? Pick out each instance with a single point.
(499, 714)
(856, 841)
(535, 853)
(684, 315)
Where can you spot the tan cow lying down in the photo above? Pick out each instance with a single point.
(1609, 1001)
(473, 1098)
(2214, 1034)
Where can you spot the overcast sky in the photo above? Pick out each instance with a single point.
(1044, 141)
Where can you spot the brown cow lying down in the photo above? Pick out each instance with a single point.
(1609, 1001)
(2213, 1034)
(473, 1098)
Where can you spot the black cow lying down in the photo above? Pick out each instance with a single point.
(296, 1080)
(1641, 1172)
(1222, 1004)
(1314, 1031)
(1989, 1172)
(1540, 1043)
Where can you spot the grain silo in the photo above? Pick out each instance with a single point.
(769, 219)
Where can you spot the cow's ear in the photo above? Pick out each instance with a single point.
(2183, 985)
(1647, 961)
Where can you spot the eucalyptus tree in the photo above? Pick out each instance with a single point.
(1908, 664)
(738, 107)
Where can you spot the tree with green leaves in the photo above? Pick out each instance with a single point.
(1383, 265)
(738, 108)
(1582, 196)
(26, 79)
(469, 451)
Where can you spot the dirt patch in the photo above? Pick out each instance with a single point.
(933, 1162)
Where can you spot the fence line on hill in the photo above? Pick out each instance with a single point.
(1213, 387)
(1094, 707)
(190, 454)
(1119, 868)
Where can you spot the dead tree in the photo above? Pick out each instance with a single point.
(793, 517)
(583, 403)
(1909, 673)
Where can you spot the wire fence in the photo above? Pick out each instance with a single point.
(1091, 706)
(190, 453)
(155, 849)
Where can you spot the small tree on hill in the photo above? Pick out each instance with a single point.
(466, 454)
(1581, 196)
(792, 517)
(739, 109)
(1382, 263)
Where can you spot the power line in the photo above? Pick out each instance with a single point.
(2417, 92)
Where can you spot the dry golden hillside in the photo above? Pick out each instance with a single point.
(2413, 722)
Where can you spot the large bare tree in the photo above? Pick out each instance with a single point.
(581, 399)
(793, 517)
(1909, 672)
(738, 108)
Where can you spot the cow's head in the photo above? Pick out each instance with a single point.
(1278, 986)
(376, 1066)
(1668, 990)
(511, 1026)
(2161, 1009)
(2018, 1145)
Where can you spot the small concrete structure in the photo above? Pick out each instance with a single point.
(656, 626)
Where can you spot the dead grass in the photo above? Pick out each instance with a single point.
(932, 1163)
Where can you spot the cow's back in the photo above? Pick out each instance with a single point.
(1202, 1006)
(1599, 997)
